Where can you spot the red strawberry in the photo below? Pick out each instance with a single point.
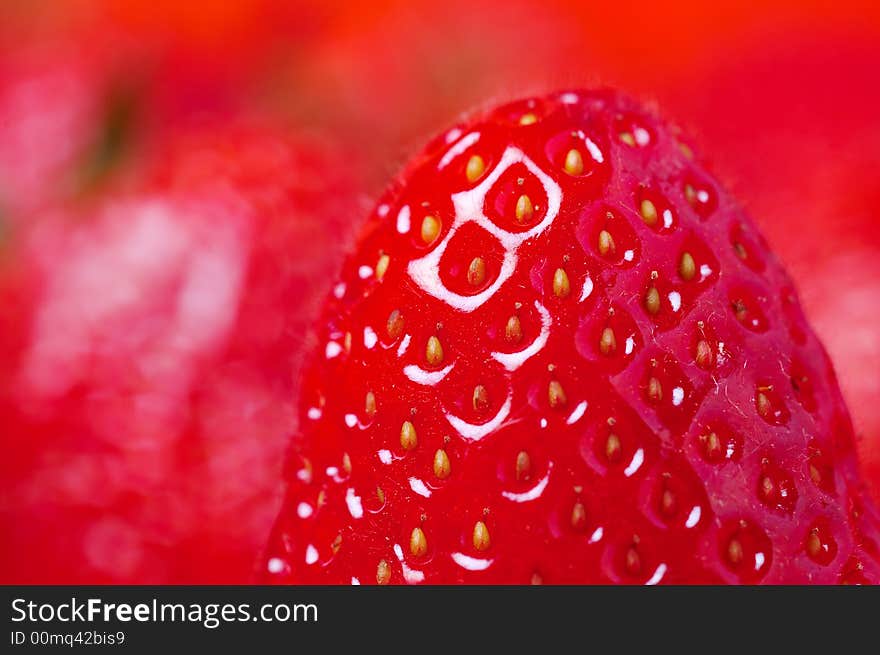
(147, 385)
(562, 353)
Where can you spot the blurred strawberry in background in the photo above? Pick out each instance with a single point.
(145, 374)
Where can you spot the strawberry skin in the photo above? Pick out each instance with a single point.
(562, 353)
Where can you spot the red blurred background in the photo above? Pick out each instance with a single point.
(143, 452)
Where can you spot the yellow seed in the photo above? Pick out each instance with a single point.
(370, 404)
(703, 357)
(382, 266)
(607, 342)
(713, 445)
(434, 352)
(528, 119)
(476, 272)
(441, 464)
(430, 228)
(346, 463)
(740, 250)
(668, 503)
(574, 163)
(763, 404)
(523, 466)
(606, 243)
(380, 495)
(627, 138)
(513, 330)
(481, 536)
(687, 268)
(524, 209)
(648, 212)
(336, 544)
(481, 398)
(556, 394)
(612, 447)
(578, 516)
(394, 326)
(815, 475)
(475, 168)
(652, 301)
(383, 573)
(814, 544)
(346, 342)
(686, 150)
(561, 285)
(734, 552)
(418, 544)
(408, 438)
(655, 390)
(690, 194)
(633, 561)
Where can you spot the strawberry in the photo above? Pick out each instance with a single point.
(147, 386)
(562, 353)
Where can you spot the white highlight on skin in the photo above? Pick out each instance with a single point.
(410, 575)
(577, 413)
(636, 463)
(355, 508)
(425, 272)
(641, 135)
(628, 255)
(304, 510)
(667, 218)
(382, 210)
(705, 271)
(311, 554)
(276, 565)
(595, 153)
(471, 563)
(533, 493)
(384, 456)
(630, 345)
(457, 149)
(659, 572)
(332, 350)
(303, 475)
(401, 349)
(587, 289)
(677, 396)
(453, 134)
(475, 432)
(694, 517)
(339, 290)
(419, 487)
(703, 195)
(403, 220)
(512, 361)
(370, 338)
(355, 582)
(759, 561)
(426, 378)
(351, 420)
(364, 272)
(597, 535)
(675, 300)
(568, 98)
(331, 471)
(543, 423)
(314, 413)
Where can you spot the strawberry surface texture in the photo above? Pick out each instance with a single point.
(562, 353)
